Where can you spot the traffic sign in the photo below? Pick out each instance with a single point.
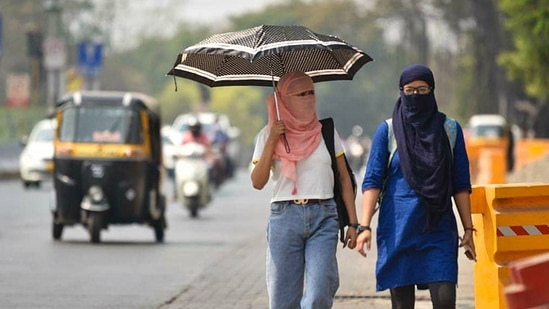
(18, 90)
(90, 58)
(55, 55)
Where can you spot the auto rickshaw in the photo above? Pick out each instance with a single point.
(107, 163)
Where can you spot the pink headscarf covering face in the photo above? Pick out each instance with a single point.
(303, 130)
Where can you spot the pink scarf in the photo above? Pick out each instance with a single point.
(303, 130)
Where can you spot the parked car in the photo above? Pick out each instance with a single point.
(487, 126)
(36, 159)
(492, 130)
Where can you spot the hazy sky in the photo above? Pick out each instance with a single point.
(160, 17)
(213, 10)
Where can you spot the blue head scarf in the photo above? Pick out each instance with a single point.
(422, 143)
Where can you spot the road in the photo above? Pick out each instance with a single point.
(215, 261)
(128, 269)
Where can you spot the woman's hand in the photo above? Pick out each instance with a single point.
(468, 244)
(277, 129)
(350, 238)
(364, 239)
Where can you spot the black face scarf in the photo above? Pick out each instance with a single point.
(423, 147)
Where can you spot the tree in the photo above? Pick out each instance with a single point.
(528, 60)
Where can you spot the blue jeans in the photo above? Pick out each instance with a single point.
(302, 244)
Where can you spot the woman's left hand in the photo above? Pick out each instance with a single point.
(468, 244)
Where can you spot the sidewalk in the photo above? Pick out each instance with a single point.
(237, 281)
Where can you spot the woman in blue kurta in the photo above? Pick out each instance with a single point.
(417, 235)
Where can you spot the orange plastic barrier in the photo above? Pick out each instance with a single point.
(513, 223)
(529, 288)
(491, 166)
(530, 150)
(487, 160)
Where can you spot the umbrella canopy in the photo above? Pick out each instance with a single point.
(261, 55)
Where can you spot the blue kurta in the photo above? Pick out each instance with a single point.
(408, 252)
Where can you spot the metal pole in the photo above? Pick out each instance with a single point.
(54, 73)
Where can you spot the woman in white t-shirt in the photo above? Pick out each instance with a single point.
(302, 232)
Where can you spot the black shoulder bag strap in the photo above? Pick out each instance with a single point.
(343, 216)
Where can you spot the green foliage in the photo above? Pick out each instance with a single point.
(529, 61)
(244, 106)
(184, 100)
(17, 122)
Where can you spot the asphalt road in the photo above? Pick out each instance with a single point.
(215, 261)
(128, 269)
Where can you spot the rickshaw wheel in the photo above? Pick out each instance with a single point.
(160, 225)
(57, 230)
(95, 223)
(159, 231)
(194, 211)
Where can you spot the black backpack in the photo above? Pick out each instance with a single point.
(343, 216)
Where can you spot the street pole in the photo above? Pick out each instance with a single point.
(54, 53)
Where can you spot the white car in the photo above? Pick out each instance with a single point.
(487, 126)
(168, 150)
(36, 159)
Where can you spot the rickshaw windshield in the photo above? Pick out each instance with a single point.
(113, 125)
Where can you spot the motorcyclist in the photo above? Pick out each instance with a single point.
(197, 135)
(220, 139)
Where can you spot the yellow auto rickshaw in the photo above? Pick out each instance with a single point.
(107, 162)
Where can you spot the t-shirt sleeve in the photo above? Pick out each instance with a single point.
(260, 140)
(339, 148)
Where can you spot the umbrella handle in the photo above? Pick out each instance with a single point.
(286, 144)
(284, 139)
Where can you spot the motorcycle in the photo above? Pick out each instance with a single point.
(192, 177)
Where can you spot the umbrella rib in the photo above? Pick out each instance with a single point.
(282, 65)
(220, 66)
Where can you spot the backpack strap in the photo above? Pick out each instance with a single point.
(450, 126)
(343, 216)
(391, 141)
(328, 135)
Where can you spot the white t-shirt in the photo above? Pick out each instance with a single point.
(315, 179)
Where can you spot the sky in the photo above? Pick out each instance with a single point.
(159, 14)
(214, 10)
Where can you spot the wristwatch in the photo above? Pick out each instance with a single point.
(362, 228)
(355, 225)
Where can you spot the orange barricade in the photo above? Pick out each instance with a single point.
(513, 223)
(487, 160)
(530, 150)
